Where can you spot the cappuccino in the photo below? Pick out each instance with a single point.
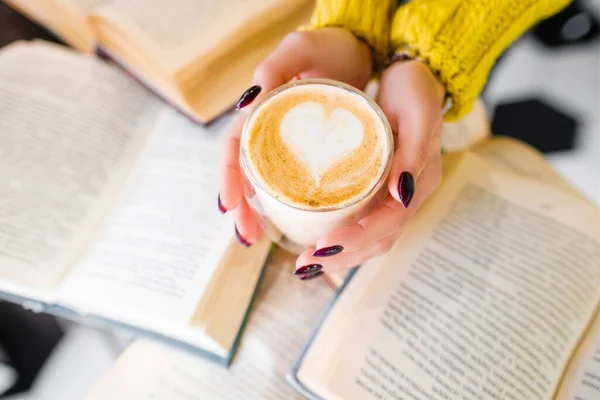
(316, 152)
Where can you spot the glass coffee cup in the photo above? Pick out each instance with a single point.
(317, 153)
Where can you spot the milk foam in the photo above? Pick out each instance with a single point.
(319, 140)
(316, 146)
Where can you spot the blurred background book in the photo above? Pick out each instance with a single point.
(197, 55)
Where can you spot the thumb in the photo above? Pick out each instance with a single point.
(288, 60)
(411, 98)
(415, 127)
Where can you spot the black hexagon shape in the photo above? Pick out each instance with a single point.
(537, 123)
(574, 25)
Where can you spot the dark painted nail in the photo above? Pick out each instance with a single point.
(406, 188)
(241, 239)
(328, 251)
(222, 208)
(310, 276)
(308, 269)
(248, 97)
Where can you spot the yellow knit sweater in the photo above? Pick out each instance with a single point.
(459, 39)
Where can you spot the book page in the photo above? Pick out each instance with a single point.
(70, 128)
(521, 159)
(582, 380)
(485, 296)
(90, 5)
(284, 312)
(190, 28)
(162, 242)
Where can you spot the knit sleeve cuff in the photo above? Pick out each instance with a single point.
(461, 40)
(368, 20)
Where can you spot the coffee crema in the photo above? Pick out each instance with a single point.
(316, 146)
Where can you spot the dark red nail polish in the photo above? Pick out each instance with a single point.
(328, 251)
(311, 276)
(222, 208)
(241, 239)
(406, 188)
(308, 269)
(248, 97)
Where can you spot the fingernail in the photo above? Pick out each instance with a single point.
(406, 188)
(241, 239)
(308, 269)
(328, 251)
(222, 208)
(248, 97)
(311, 276)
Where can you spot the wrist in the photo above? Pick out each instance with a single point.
(354, 53)
(439, 91)
(367, 20)
(366, 53)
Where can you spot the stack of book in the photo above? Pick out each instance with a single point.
(107, 195)
(199, 55)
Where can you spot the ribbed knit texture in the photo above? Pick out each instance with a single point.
(369, 20)
(461, 39)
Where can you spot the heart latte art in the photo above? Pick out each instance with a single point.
(316, 146)
(318, 141)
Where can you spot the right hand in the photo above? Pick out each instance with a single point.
(332, 53)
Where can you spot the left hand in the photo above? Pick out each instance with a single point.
(412, 98)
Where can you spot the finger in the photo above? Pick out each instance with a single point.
(284, 64)
(246, 185)
(429, 179)
(377, 222)
(385, 220)
(248, 224)
(341, 261)
(288, 60)
(230, 182)
(410, 97)
(389, 217)
(415, 129)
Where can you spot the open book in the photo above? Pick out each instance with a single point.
(197, 54)
(284, 313)
(492, 293)
(108, 204)
(486, 295)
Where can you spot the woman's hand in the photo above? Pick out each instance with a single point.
(411, 98)
(332, 53)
